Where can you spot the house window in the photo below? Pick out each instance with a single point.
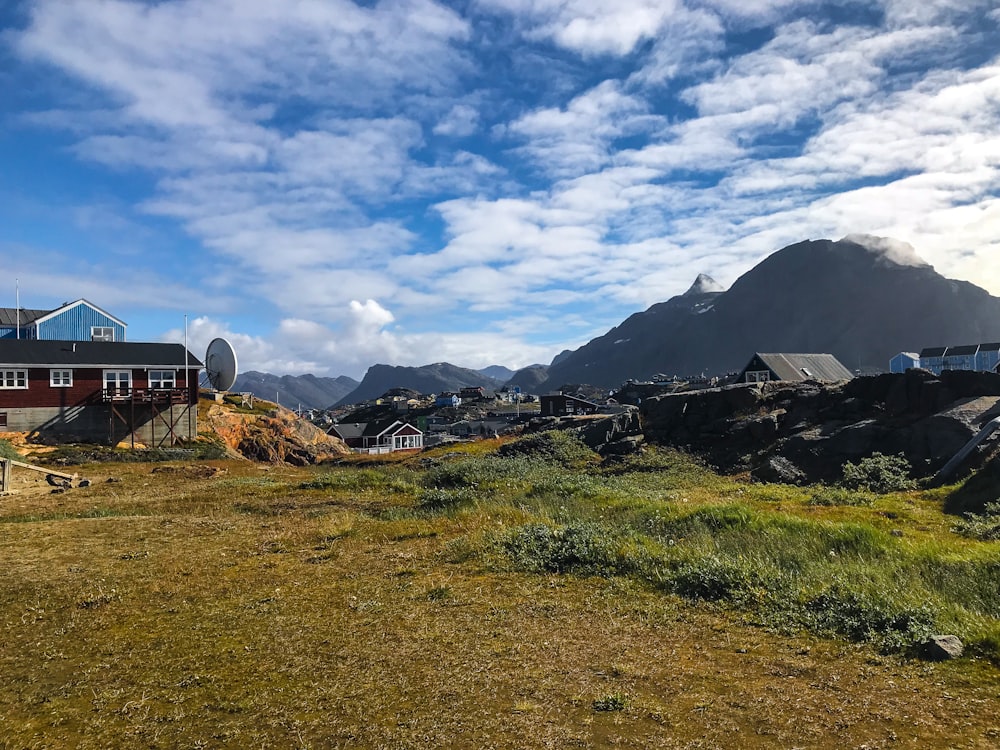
(102, 333)
(758, 376)
(118, 383)
(3, 419)
(61, 378)
(14, 379)
(402, 442)
(162, 379)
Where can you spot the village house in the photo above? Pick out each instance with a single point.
(562, 405)
(793, 367)
(382, 436)
(74, 321)
(99, 391)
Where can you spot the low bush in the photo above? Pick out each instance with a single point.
(983, 526)
(7, 450)
(579, 547)
(553, 445)
(879, 474)
(840, 496)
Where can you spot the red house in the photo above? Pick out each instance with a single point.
(99, 391)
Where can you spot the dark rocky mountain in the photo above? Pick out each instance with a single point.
(435, 378)
(291, 390)
(529, 378)
(862, 299)
(497, 372)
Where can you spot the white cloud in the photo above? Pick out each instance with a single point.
(591, 26)
(461, 120)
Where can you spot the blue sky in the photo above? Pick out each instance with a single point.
(332, 184)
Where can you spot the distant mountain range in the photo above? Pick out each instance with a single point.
(309, 391)
(862, 299)
(435, 378)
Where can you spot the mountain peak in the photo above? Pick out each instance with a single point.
(889, 250)
(704, 284)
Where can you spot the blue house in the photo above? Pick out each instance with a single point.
(981, 357)
(904, 361)
(988, 357)
(74, 321)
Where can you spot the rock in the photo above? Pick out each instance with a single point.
(780, 469)
(280, 437)
(624, 446)
(943, 647)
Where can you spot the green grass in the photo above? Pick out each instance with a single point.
(468, 597)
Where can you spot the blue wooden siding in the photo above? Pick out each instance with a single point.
(10, 332)
(75, 324)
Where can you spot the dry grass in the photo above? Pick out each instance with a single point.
(229, 607)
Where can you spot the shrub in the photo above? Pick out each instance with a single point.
(879, 473)
(612, 702)
(7, 450)
(984, 526)
(840, 496)
(553, 445)
(715, 578)
(579, 547)
(444, 498)
(862, 617)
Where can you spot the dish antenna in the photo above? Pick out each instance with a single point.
(220, 364)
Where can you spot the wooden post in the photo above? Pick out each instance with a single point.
(4, 476)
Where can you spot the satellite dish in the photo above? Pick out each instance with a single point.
(220, 364)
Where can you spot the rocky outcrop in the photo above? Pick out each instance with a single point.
(279, 437)
(607, 434)
(805, 432)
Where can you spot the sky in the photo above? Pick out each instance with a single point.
(331, 184)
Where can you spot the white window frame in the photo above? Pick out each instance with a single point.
(102, 333)
(758, 376)
(14, 380)
(117, 384)
(60, 378)
(157, 375)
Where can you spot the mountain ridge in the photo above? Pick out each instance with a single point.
(862, 299)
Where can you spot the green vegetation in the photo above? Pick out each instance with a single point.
(9, 451)
(524, 594)
(879, 474)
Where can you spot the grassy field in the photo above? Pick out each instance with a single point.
(479, 598)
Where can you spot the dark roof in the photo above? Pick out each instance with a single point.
(959, 351)
(93, 354)
(933, 351)
(806, 366)
(349, 430)
(989, 347)
(9, 316)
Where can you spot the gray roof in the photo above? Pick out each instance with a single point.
(806, 366)
(9, 316)
(24, 353)
(349, 430)
(933, 351)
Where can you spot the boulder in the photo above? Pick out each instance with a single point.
(943, 647)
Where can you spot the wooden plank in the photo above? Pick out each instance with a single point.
(42, 470)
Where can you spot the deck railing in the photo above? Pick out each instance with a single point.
(146, 395)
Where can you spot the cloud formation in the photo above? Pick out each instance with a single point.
(338, 183)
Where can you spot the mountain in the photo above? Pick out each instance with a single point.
(529, 378)
(862, 299)
(292, 390)
(497, 372)
(427, 379)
